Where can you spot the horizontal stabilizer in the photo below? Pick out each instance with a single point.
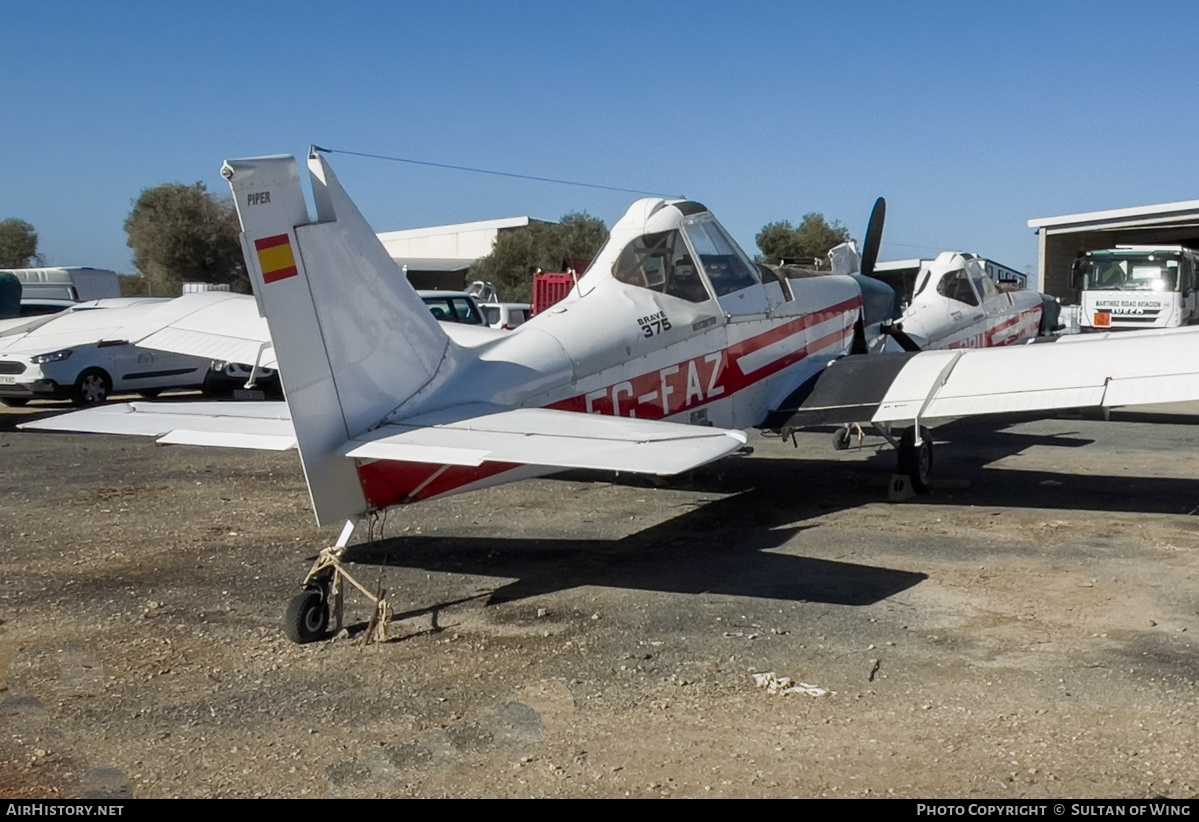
(472, 435)
(262, 425)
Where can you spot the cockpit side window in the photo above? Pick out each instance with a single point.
(956, 286)
(662, 263)
(726, 269)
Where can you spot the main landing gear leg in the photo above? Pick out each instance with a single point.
(308, 614)
(915, 454)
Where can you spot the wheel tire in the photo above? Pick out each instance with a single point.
(916, 462)
(214, 386)
(91, 388)
(842, 437)
(15, 402)
(307, 617)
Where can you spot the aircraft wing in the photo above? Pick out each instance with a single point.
(214, 325)
(463, 435)
(1130, 368)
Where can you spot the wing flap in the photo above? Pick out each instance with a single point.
(559, 439)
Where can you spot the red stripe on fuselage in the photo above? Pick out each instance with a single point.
(716, 375)
(680, 387)
(994, 337)
(386, 483)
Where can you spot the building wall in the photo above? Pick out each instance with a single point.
(465, 245)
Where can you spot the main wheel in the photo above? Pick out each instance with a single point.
(149, 393)
(307, 617)
(916, 461)
(15, 402)
(91, 388)
(842, 437)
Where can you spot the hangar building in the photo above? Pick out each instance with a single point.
(441, 256)
(1061, 239)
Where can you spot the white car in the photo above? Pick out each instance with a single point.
(506, 315)
(77, 355)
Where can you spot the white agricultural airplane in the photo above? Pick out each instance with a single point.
(669, 344)
(956, 305)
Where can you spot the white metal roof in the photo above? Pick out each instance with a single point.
(1139, 215)
(481, 225)
(896, 265)
(435, 263)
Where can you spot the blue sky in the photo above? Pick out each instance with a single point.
(969, 118)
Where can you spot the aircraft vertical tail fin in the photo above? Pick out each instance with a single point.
(353, 339)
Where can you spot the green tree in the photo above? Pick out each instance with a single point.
(518, 254)
(18, 244)
(182, 233)
(813, 239)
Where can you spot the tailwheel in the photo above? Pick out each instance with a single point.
(309, 613)
(307, 617)
(916, 461)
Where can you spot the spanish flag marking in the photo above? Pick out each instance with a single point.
(275, 258)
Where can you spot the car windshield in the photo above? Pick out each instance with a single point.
(454, 310)
(1131, 272)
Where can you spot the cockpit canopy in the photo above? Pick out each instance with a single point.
(958, 277)
(676, 248)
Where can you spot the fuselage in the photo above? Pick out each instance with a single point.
(956, 305)
(649, 333)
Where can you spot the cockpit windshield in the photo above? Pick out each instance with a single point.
(726, 269)
(1156, 271)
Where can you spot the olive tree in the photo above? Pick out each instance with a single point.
(18, 244)
(811, 240)
(181, 233)
(519, 253)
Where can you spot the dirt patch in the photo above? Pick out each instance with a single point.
(1025, 631)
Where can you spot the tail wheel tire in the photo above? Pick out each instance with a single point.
(307, 617)
(916, 461)
(91, 388)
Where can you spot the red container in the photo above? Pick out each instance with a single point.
(549, 289)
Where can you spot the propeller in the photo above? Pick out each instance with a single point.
(874, 236)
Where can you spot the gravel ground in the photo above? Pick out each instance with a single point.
(766, 626)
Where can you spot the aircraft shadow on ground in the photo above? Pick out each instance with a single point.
(721, 547)
(729, 545)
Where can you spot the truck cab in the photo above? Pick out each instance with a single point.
(1132, 286)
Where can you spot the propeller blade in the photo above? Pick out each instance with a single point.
(874, 236)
